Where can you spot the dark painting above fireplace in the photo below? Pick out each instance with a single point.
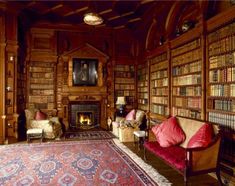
(85, 72)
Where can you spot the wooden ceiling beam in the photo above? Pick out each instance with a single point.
(76, 11)
(52, 8)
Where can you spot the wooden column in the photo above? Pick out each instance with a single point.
(2, 77)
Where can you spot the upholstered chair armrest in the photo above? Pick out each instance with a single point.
(198, 159)
(118, 119)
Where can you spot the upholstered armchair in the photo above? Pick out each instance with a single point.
(51, 126)
(123, 128)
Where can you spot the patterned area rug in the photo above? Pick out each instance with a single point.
(85, 163)
(89, 135)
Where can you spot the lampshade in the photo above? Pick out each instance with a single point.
(92, 19)
(121, 101)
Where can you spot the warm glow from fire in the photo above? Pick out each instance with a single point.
(84, 119)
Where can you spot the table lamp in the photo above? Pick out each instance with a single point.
(121, 101)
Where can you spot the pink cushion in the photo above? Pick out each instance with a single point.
(174, 155)
(40, 115)
(202, 138)
(169, 133)
(131, 115)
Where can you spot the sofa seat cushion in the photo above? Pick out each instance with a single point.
(174, 155)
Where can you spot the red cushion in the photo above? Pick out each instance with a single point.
(202, 138)
(169, 133)
(40, 115)
(174, 155)
(131, 115)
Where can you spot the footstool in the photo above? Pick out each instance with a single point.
(140, 135)
(34, 134)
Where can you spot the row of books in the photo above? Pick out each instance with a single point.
(125, 80)
(186, 113)
(222, 46)
(124, 74)
(141, 70)
(42, 92)
(124, 93)
(187, 102)
(187, 47)
(160, 91)
(222, 90)
(142, 101)
(42, 64)
(126, 68)
(41, 86)
(222, 32)
(42, 75)
(143, 95)
(142, 83)
(159, 74)
(222, 60)
(124, 86)
(160, 100)
(160, 109)
(222, 75)
(142, 106)
(225, 105)
(192, 79)
(41, 69)
(226, 120)
(194, 55)
(142, 89)
(159, 66)
(142, 77)
(187, 68)
(41, 99)
(160, 82)
(41, 81)
(161, 57)
(187, 91)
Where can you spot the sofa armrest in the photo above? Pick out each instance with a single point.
(198, 159)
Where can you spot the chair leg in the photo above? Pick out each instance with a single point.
(145, 159)
(185, 181)
(219, 177)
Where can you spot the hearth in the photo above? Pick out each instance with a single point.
(84, 115)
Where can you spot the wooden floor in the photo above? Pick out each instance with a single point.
(172, 175)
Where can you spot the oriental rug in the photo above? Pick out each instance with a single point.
(89, 135)
(82, 163)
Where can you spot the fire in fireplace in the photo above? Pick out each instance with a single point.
(85, 118)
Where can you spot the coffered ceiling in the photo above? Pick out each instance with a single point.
(117, 14)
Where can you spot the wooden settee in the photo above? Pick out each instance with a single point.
(189, 161)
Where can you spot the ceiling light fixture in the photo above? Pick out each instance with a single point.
(92, 19)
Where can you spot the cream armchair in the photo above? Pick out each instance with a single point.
(124, 128)
(51, 127)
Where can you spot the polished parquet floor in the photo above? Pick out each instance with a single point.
(172, 175)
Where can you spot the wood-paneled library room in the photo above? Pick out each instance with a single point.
(89, 90)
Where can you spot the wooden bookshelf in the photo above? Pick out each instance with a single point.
(10, 94)
(159, 85)
(221, 94)
(187, 80)
(142, 86)
(125, 84)
(221, 85)
(41, 85)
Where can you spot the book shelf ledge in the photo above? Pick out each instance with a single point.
(188, 85)
(189, 73)
(188, 108)
(221, 97)
(220, 111)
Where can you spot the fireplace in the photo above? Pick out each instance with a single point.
(84, 114)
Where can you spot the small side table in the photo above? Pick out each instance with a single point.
(140, 135)
(34, 134)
